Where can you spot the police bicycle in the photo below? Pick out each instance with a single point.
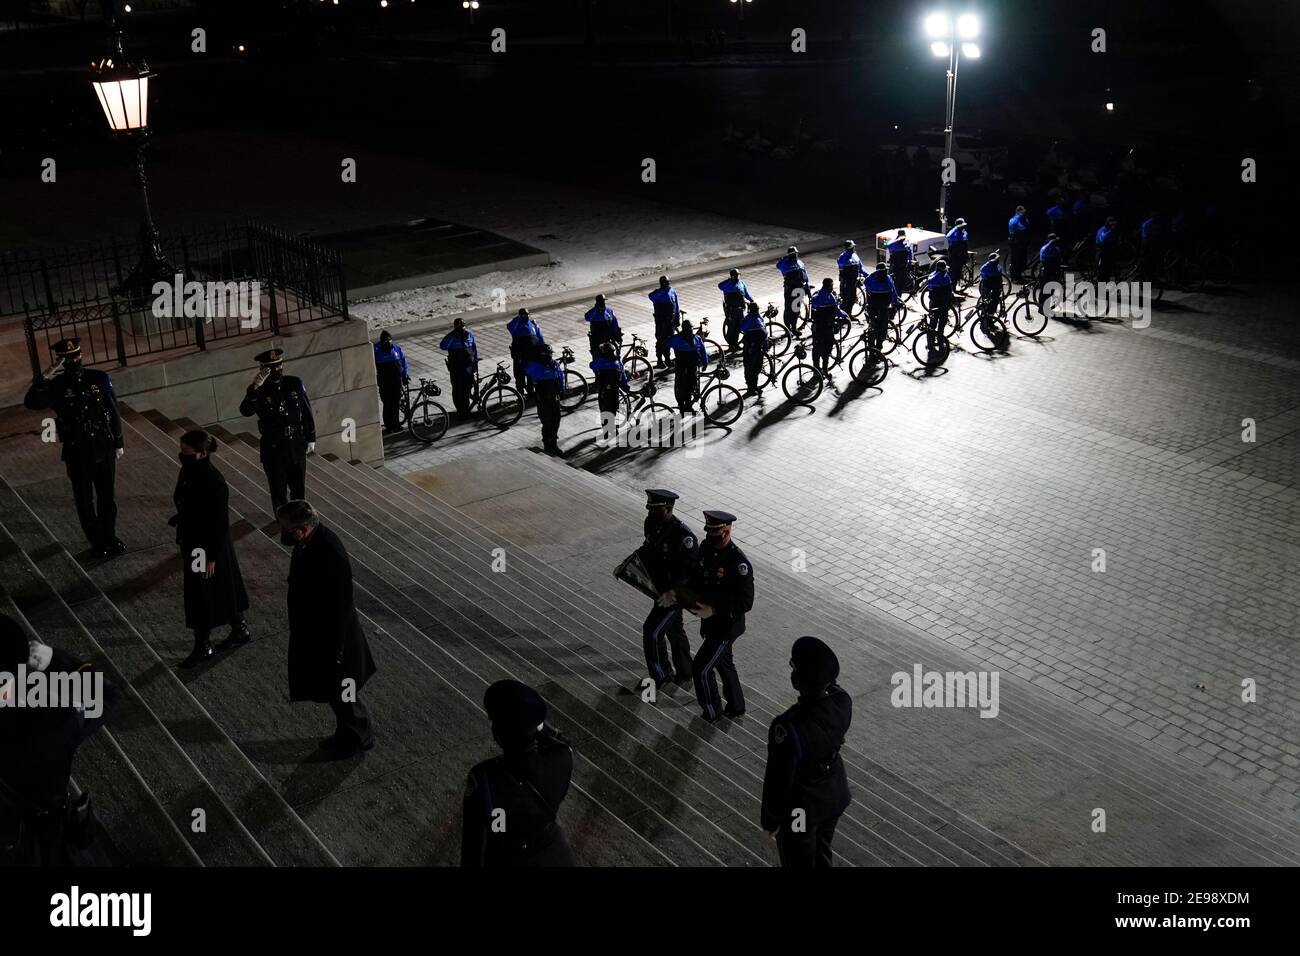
(800, 381)
(987, 322)
(635, 363)
(778, 336)
(867, 364)
(575, 387)
(720, 403)
(500, 401)
(716, 353)
(642, 412)
(425, 417)
(1028, 315)
(931, 347)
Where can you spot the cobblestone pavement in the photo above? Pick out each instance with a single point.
(975, 505)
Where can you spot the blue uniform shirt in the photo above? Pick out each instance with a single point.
(882, 281)
(991, 270)
(957, 234)
(521, 327)
(1056, 214)
(1105, 236)
(681, 345)
(1017, 224)
(789, 264)
(603, 364)
(1080, 206)
(393, 354)
(451, 342)
(606, 316)
(666, 305)
(751, 326)
(730, 287)
(541, 371)
(899, 249)
(1152, 229)
(849, 261)
(824, 300)
(938, 280)
(1050, 250)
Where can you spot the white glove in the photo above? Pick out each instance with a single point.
(311, 447)
(703, 612)
(262, 375)
(668, 598)
(121, 452)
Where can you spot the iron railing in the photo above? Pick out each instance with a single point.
(243, 279)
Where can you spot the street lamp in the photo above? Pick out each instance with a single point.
(122, 88)
(953, 40)
(741, 5)
(471, 6)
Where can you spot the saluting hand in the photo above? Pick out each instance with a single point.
(668, 598)
(121, 452)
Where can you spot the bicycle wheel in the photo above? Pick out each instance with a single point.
(924, 299)
(1029, 319)
(868, 366)
(930, 358)
(766, 371)
(502, 406)
(716, 353)
(657, 424)
(575, 390)
(859, 304)
(986, 332)
(427, 421)
(778, 339)
(842, 329)
(801, 383)
(721, 404)
(640, 373)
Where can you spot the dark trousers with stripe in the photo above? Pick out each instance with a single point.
(808, 849)
(663, 629)
(713, 660)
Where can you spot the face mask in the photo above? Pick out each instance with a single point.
(71, 365)
(276, 374)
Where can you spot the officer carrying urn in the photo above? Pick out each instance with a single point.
(723, 588)
(91, 433)
(285, 423)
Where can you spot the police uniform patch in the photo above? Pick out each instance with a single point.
(778, 734)
(742, 568)
(688, 542)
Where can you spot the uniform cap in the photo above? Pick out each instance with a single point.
(880, 265)
(663, 280)
(792, 251)
(1051, 236)
(66, 347)
(901, 233)
(848, 243)
(960, 222)
(515, 709)
(1019, 210)
(657, 497)
(993, 257)
(523, 313)
(814, 662)
(718, 519)
(385, 336)
(269, 357)
(600, 298)
(735, 273)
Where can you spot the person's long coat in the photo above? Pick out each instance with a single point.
(203, 522)
(326, 643)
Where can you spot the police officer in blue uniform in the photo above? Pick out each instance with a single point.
(958, 249)
(462, 365)
(508, 815)
(669, 554)
(899, 254)
(88, 426)
(286, 426)
(392, 375)
(1049, 261)
(939, 284)
(525, 337)
(805, 787)
(668, 316)
(734, 296)
(753, 335)
(1107, 246)
(826, 315)
(991, 278)
(722, 592)
(547, 376)
(602, 326)
(691, 359)
(611, 379)
(882, 298)
(1152, 232)
(851, 270)
(1058, 217)
(794, 280)
(1018, 239)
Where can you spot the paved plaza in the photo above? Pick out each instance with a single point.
(978, 505)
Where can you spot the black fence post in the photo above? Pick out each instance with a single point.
(343, 285)
(275, 312)
(117, 329)
(31, 345)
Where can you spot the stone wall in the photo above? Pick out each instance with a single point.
(335, 360)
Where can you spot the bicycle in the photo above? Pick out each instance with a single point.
(575, 389)
(1028, 316)
(500, 401)
(988, 326)
(931, 347)
(778, 336)
(867, 364)
(646, 413)
(800, 381)
(716, 353)
(425, 419)
(638, 368)
(720, 403)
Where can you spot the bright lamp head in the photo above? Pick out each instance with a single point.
(938, 25)
(939, 48)
(123, 93)
(968, 26)
(970, 50)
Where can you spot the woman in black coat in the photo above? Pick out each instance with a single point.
(214, 588)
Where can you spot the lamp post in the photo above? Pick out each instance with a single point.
(122, 88)
(740, 4)
(952, 40)
(471, 6)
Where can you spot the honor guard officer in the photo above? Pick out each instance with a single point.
(851, 270)
(899, 252)
(392, 375)
(826, 315)
(882, 297)
(602, 326)
(611, 380)
(753, 334)
(669, 554)
(462, 365)
(805, 779)
(668, 316)
(525, 337)
(734, 296)
(691, 359)
(794, 278)
(508, 816)
(547, 376)
(90, 431)
(723, 587)
(1018, 238)
(285, 422)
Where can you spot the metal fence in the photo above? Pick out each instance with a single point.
(230, 280)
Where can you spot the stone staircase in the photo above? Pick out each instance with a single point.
(653, 784)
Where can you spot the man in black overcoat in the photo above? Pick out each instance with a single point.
(329, 659)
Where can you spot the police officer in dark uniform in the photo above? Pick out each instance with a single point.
(391, 375)
(462, 365)
(511, 801)
(525, 338)
(734, 296)
(37, 748)
(794, 281)
(547, 376)
(805, 788)
(851, 271)
(691, 359)
(285, 422)
(668, 317)
(602, 326)
(723, 592)
(826, 316)
(669, 554)
(90, 430)
(753, 334)
(611, 381)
